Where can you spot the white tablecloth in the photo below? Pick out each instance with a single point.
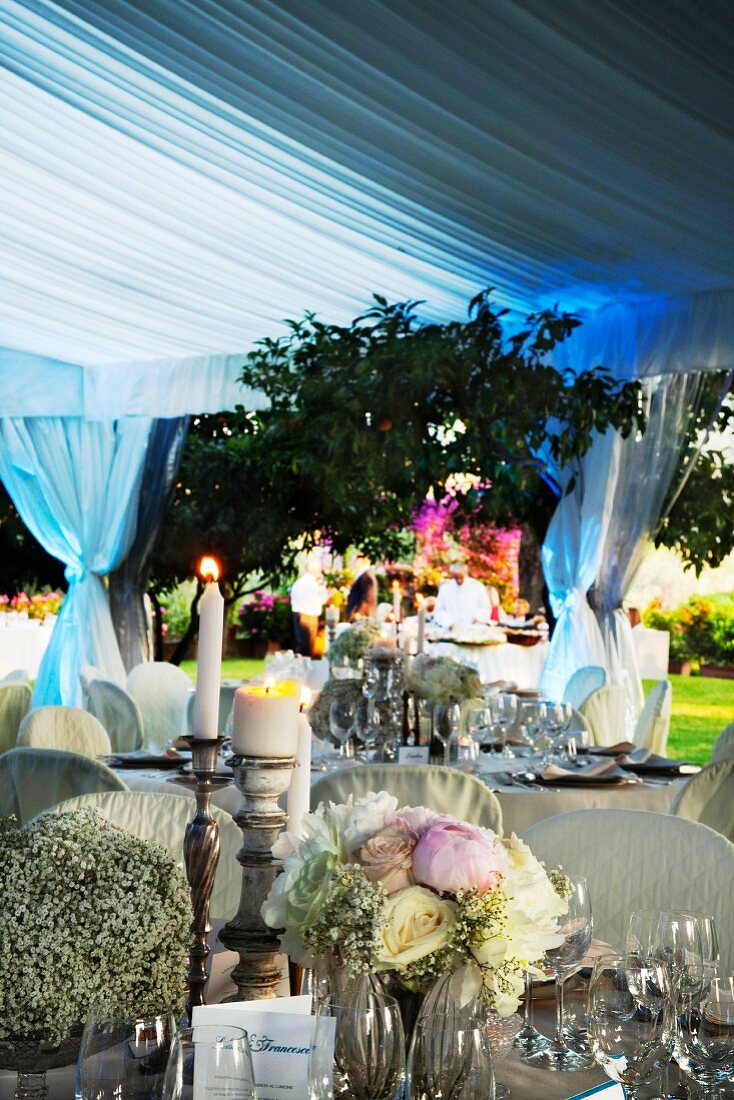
(521, 664)
(23, 644)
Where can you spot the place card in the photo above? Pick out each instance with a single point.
(281, 1034)
(413, 754)
(610, 1090)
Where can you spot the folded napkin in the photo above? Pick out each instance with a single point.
(613, 750)
(148, 758)
(599, 770)
(644, 760)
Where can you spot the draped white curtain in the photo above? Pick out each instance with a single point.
(571, 560)
(75, 484)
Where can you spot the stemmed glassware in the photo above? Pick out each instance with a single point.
(371, 732)
(209, 1059)
(342, 724)
(528, 1039)
(123, 1057)
(369, 1048)
(629, 1018)
(558, 720)
(446, 718)
(503, 713)
(450, 1059)
(576, 929)
(533, 717)
(705, 1034)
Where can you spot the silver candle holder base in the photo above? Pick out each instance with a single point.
(201, 856)
(261, 782)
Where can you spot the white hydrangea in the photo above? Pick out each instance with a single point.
(91, 918)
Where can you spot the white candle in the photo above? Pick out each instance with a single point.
(299, 792)
(331, 615)
(209, 660)
(421, 626)
(396, 597)
(265, 721)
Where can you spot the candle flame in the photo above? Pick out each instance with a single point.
(419, 598)
(209, 569)
(269, 683)
(395, 585)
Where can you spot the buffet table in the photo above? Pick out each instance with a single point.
(520, 664)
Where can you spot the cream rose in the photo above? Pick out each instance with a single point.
(387, 857)
(418, 922)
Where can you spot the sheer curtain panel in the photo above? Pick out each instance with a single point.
(75, 484)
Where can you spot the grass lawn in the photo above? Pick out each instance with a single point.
(701, 707)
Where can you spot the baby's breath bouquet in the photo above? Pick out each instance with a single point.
(90, 918)
(417, 893)
(442, 680)
(355, 642)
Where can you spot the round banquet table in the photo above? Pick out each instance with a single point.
(520, 664)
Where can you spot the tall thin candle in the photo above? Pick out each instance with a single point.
(396, 598)
(209, 664)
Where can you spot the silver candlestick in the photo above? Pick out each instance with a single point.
(261, 781)
(201, 856)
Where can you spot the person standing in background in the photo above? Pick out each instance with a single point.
(461, 600)
(362, 598)
(308, 596)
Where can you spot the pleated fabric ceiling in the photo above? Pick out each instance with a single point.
(179, 175)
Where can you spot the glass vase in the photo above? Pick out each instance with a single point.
(32, 1058)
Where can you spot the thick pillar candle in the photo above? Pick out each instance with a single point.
(265, 721)
(299, 792)
(209, 661)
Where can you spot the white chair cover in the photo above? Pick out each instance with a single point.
(15, 702)
(31, 780)
(441, 789)
(605, 712)
(709, 798)
(17, 676)
(117, 712)
(582, 683)
(162, 691)
(163, 818)
(653, 723)
(67, 728)
(723, 748)
(633, 859)
(226, 702)
(88, 673)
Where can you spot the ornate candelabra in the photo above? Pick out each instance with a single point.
(201, 856)
(261, 781)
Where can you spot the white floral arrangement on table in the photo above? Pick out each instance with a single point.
(418, 893)
(355, 642)
(90, 918)
(442, 680)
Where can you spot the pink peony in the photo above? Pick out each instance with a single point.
(387, 857)
(451, 856)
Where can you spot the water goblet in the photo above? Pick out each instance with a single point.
(629, 1027)
(533, 717)
(342, 722)
(123, 1057)
(575, 927)
(450, 1059)
(206, 1058)
(371, 732)
(705, 1034)
(446, 720)
(503, 713)
(528, 1039)
(369, 1047)
(558, 720)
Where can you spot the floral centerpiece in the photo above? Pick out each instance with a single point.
(417, 893)
(91, 918)
(442, 680)
(354, 643)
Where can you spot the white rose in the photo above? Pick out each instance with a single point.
(418, 923)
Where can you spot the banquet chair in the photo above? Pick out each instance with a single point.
(162, 691)
(31, 780)
(118, 713)
(582, 683)
(635, 859)
(708, 797)
(226, 702)
(723, 747)
(441, 789)
(605, 713)
(88, 673)
(15, 702)
(67, 728)
(16, 676)
(653, 722)
(163, 818)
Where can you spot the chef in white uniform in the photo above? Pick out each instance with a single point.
(461, 600)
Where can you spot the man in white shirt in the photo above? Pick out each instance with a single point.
(461, 600)
(308, 596)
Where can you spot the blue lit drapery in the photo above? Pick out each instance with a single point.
(75, 484)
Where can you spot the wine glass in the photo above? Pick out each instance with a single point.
(450, 1059)
(629, 1025)
(368, 1046)
(123, 1057)
(533, 716)
(478, 723)
(503, 713)
(705, 1035)
(371, 732)
(342, 723)
(558, 720)
(206, 1058)
(446, 720)
(528, 1039)
(575, 927)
